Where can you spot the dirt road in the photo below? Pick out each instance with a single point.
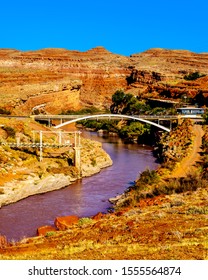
(187, 164)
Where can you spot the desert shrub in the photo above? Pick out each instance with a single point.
(149, 185)
(179, 185)
(10, 131)
(205, 116)
(126, 202)
(147, 177)
(84, 221)
(93, 162)
(4, 111)
(1, 190)
(170, 165)
(197, 210)
(177, 203)
(50, 233)
(193, 76)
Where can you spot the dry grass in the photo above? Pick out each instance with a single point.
(170, 227)
(170, 223)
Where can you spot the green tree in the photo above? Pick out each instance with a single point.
(139, 107)
(121, 102)
(118, 97)
(117, 102)
(133, 130)
(127, 104)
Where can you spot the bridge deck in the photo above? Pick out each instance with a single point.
(73, 117)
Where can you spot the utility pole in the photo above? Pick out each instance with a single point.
(77, 152)
(41, 145)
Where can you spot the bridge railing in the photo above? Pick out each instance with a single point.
(47, 117)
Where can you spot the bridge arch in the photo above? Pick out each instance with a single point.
(113, 116)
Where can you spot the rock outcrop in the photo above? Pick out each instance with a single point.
(3, 241)
(62, 223)
(45, 230)
(57, 80)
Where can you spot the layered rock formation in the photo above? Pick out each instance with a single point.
(56, 80)
(160, 73)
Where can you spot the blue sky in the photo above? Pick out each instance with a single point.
(122, 27)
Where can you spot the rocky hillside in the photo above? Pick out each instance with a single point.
(56, 80)
(158, 219)
(23, 174)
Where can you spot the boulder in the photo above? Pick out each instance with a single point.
(98, 216)
(63, 223)
(3, 241)
(42, 231)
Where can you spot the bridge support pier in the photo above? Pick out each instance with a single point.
(77, 159)
(41, 146)
(171, 124)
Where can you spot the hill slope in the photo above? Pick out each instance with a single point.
(55, 80)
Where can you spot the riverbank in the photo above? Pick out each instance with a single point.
(172, 227)
(22, 175)
(178, 172)
(166, 226)
(93, 157)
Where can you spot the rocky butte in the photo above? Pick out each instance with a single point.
(56, 80)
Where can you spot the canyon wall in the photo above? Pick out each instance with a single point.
(52, 81)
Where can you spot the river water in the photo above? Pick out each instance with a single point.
(83, 198)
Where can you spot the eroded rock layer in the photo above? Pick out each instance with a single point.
(57, 80)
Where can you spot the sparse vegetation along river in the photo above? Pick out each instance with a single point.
(83, 198)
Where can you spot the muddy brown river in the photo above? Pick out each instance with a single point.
(83, 198)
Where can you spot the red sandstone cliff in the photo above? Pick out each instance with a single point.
(56, 80)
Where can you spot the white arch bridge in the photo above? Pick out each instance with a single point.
(77, 118)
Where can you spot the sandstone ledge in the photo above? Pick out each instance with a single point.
(17, 190)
